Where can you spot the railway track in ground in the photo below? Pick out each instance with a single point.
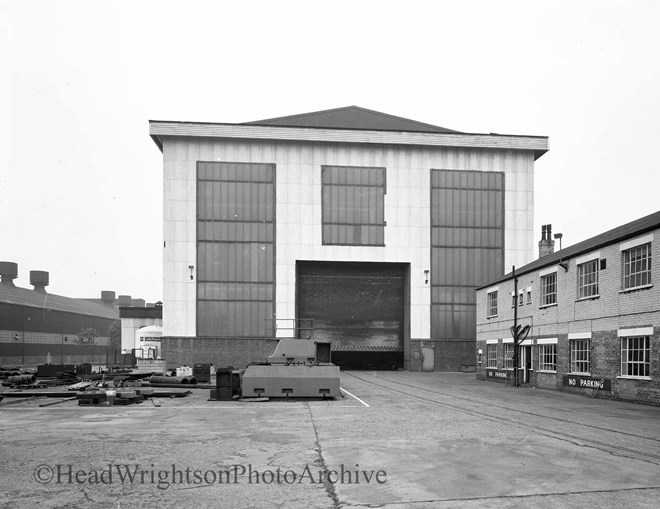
(647, 451)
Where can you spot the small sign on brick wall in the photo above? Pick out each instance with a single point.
(587, 382)
(496, 375)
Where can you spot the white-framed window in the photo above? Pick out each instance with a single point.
(529, 295)
(508, 355)
(491, 303)
(635, 356)
(514, 299)
(491, 355)
(636, 267)
(549, 289)
(580, 355)
(548, 357)
(520, 298)
(588, 279)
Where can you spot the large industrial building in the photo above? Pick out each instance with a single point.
(593, 312)
(349, 225)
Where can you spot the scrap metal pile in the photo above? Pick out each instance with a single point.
(91, 389)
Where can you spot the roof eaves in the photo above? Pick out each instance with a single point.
(613, 236)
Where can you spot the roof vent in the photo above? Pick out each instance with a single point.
(8, 272)
(137, 303)
(125, 301)
(108, 297)
(39, 279)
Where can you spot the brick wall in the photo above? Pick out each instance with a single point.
(187, 351)
(602, 316)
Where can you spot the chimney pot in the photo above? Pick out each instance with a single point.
(546, 244)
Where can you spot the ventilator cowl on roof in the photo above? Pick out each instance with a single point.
(8, 272)
(39, 279)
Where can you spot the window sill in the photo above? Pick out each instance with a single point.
(592, 297)
(630, 377)
(636, 288)
(491, 316)
(545, 306)
(578, 373)
(547, 371)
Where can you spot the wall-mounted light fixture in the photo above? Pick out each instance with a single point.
(192, 268)
(426, 276)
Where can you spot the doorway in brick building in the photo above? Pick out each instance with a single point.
(525, 354)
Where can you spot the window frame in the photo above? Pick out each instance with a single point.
(491, 355)
(549, 289)
(344, 229)
(508, 355)
(626, 264)
(576, 362)
(544, 354)
(491, 304)
(645, 363)
(587, 288)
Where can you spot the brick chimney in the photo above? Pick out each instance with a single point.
(546, 244)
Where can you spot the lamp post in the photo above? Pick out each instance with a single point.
(559, 236)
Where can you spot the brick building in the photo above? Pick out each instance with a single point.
(593, 311)
(349, 225)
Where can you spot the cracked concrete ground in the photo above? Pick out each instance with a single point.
(396, 440)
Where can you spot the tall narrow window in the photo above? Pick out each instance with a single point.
(549, 289)
(588, 279)
(508, 355)
(636, 267)
(548, 357)
(467, 247)
(353, 205)
(491, 352)
(635, 360)
(235, 249)
(492, 303)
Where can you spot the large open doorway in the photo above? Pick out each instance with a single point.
(359, 307)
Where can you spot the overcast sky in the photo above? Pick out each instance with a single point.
(81, 180)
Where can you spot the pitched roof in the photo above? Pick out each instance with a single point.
(352, 117)
(618, 234)
(30, 298)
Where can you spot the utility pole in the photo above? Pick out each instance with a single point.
(515, 327)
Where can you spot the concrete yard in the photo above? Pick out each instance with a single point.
(396, 440)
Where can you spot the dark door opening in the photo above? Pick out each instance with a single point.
(359, 307)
